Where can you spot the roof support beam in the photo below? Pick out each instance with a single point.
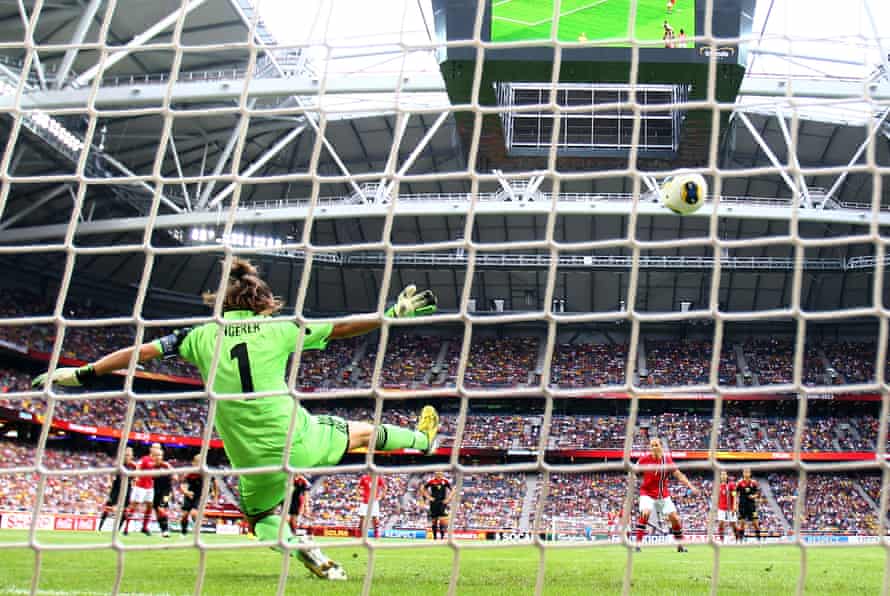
(38, 67)
(260, 162)
(137, 41)
(792, 157)
(225, 155)
(425, 208)
(37, 204)
(769, 153)
(185, 190)
(83, 25)
(132, 93)
(868, 139)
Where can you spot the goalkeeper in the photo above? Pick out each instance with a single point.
(253, 356)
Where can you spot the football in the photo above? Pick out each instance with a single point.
(685, 193)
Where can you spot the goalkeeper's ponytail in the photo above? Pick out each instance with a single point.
(246, 290)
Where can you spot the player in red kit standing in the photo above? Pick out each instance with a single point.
(655, 491)
(364, 486)
(144, 488)
(727, 505)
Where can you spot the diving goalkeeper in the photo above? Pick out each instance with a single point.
(253, 356)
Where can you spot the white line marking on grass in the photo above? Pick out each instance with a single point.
(502, 2)
(77, 593)
(517, 21)
(547, 20)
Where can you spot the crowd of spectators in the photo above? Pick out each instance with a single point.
(588, 365)
(330, 368)
(408, 362)
(491, 501)
(677, 362)
(501, 362)
(69, 493)
(833, 502)
(854, 361)
(412, 361)
(772, 361)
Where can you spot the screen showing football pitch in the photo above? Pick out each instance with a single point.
(668, 22)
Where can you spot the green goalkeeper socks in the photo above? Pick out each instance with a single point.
(390, 438)
(267, 528)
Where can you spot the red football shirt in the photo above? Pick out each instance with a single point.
(726, 490)
(145, 463)
(656, 480)
(364, 485)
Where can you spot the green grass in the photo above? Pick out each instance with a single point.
(426, 571)
(514, 20)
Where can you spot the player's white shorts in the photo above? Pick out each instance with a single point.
(661, 506)
(375, 509)
(142, 495)
(726, 516)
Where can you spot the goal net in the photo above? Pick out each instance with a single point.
(509, 156)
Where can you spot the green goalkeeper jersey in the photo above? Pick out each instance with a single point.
(253, 356)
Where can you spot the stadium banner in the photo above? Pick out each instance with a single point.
(16, 520)
(654, 394)
(401, 533)
(107, 432)
(469, 535)
(727, 455)
(334, 531)
(139, 374)
(509, 536)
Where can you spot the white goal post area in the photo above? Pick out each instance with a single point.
(188, 136)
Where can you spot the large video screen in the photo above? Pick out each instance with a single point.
(668, 22)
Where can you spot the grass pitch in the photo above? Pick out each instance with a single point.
(426, 571)
(515, 20)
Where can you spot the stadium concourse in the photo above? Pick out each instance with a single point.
(500, 157)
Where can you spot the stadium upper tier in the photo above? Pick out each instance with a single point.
(430, 358)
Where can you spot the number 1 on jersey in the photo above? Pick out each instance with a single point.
(239, 353)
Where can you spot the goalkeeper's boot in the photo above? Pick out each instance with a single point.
(317, 562)
(682, 549)
(429, 425)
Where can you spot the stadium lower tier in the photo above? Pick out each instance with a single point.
(844, 502)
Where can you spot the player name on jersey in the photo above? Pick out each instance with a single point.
(242, 329)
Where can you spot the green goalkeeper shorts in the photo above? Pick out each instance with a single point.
(323, 444)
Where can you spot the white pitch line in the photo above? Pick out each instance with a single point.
(548, 20)
(24, 592)
(517, 21)
(501, 3)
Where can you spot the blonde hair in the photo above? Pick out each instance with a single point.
(246, 290)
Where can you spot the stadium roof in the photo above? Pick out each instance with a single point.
(279, 151)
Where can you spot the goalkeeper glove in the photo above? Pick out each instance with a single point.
(411, 304)
(67, 377)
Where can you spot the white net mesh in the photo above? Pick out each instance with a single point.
(195, 102)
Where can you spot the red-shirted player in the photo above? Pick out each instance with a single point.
(364, 487)
(727, 505)
(144, 487)
(616, 523)
(655, 491)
